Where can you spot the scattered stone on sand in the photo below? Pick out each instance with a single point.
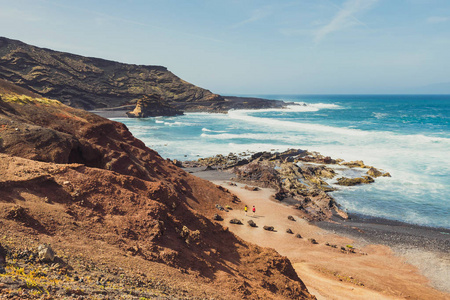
(217, 217)
(232, 184)
(291, 218)
(251, 188)
(251, 223)
(268, 228)
(221, 208)
(236, 221)
(312, 241)
(298, 236)
(46, 253)
(289, 231)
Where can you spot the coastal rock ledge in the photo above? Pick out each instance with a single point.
(300, 178)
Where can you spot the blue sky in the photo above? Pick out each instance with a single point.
(254, 46)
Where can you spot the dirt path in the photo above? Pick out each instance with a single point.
(372, 272)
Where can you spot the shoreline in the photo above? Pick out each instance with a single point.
(424, 249)
(229, 103)
(381, 230)
(371, 228)
(374, 230)
(427, 248)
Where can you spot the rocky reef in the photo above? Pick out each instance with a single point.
(300, 178)
(152, 106)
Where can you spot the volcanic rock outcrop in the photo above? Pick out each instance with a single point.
(112, 208)
(298, 176)
(152, 106)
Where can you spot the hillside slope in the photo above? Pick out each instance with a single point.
(115, 209)
(88, 83)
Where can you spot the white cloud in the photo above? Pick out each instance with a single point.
(436, 19)
(256, 15)
(344, 18)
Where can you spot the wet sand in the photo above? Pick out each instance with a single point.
(392, 260)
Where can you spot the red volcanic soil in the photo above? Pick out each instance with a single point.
(111, 207)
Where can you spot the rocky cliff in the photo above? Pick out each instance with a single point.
(88, 83)
(121, 220)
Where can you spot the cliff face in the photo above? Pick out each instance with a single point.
(97, 194)
(89, 83)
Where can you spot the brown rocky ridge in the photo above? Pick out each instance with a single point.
(93, 83)
(298, 177)
(123, 222)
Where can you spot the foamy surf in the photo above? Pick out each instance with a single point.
(415, 155)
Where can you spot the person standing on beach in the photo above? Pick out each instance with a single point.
(245, 209)
(254, 210)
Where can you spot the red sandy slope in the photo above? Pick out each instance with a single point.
(86, 185)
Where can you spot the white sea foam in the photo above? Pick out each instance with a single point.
(293, 108)
(379, 115)
(209, 130)
(418, 163)
(280, 124)
(248, 136)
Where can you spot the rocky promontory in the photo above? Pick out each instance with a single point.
(94, 83)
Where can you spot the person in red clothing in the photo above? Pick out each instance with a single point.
(254, 210)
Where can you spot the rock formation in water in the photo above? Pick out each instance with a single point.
(152, 106)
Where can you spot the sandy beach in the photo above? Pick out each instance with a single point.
(390, 260)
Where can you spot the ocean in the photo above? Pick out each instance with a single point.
(405, 135)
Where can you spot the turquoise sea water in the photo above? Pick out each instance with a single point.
(406, 135)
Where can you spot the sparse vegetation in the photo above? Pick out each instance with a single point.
(22, 99)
